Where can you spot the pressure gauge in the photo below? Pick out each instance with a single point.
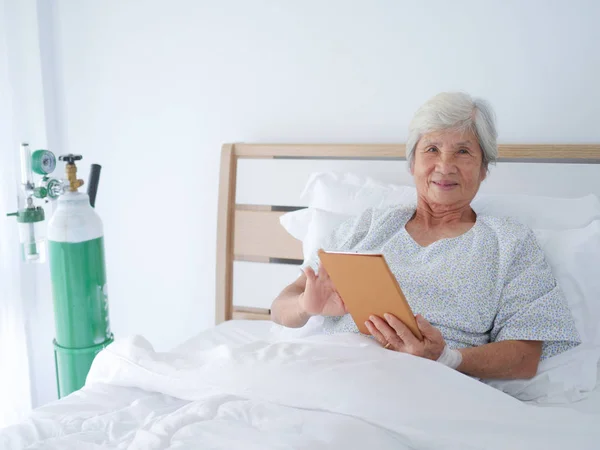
(43, 162)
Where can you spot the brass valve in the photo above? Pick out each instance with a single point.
(71, 170)
(74, 183)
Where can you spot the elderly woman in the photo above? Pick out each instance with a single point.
(486, 300)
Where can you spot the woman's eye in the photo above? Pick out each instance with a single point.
(463, 151)
(431, 149)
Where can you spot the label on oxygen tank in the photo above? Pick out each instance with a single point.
(78, 277)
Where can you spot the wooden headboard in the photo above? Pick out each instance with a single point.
(251, 232)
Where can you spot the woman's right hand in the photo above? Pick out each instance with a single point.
(319, 296)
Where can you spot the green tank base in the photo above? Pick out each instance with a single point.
(73, 365)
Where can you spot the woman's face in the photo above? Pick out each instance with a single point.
(448, 169)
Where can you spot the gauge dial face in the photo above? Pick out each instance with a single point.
(44, 162)
(48, 162)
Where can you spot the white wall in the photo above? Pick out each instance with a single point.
(15, 381)
(25, 120)
(151, 89)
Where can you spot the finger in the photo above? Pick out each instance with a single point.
(310, 273)
(400, 329)
(375, 333)
(387, 331)
(325, 279)
(323, 273)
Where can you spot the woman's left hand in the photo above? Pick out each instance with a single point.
(392, 333)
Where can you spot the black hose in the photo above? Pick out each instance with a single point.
(93, 183)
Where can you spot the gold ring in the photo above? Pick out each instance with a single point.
(387, 345)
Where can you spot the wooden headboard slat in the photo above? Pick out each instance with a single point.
(550, 152)
(588, 152)
(244, 315)
(320, 150)
(259, 233)
(225, 218)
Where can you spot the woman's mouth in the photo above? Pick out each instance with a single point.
(445, 185)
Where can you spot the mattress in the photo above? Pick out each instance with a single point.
(253, 384)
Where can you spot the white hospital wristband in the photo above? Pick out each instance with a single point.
(450, 358)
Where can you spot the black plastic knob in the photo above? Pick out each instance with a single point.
(70, 158)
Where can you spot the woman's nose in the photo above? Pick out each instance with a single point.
(445, 165)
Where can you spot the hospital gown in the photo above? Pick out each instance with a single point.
(490, 284)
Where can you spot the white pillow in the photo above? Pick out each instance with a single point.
(539, 212)
(347, 193)
(574, 256)
(297, 222)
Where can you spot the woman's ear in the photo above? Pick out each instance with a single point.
(484, 171)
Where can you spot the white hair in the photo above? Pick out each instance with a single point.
(455, 111)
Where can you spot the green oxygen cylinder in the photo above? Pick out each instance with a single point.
(78, 277)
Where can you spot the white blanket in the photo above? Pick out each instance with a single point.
(315, 392)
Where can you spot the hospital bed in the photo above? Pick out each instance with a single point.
(250, 384)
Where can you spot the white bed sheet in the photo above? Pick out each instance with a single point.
(589, 405)
(110, 413)
(240, 332)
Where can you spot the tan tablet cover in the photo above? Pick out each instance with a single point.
(367, 286)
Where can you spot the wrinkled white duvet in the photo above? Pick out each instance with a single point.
(314, 392)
